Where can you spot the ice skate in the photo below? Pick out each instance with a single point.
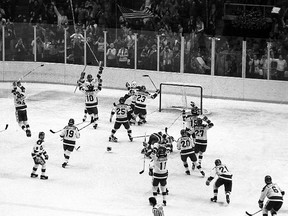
(164, 202)
(187, 172)
(33, 175)
(113, 139)
(95, 126)
(202, 173)
(43, 177)
(28, 133)
(214, 199)
(64, 164)
(193, 166)
(227, 199)
(130, 138)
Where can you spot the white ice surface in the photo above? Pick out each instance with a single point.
(250, 138)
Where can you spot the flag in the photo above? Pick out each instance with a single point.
(135, 14)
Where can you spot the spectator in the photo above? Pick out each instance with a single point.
(62, 19)
(111, 56)
(143, 62)
(21, 50)
(167, 55)
(122, 56)
(280, 69)
(153, 57)
(100, 48)
(254, 66)
(39, 48)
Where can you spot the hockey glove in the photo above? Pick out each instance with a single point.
(283, 193)
(98, 76)
(127, 85)
(210, 125)
(46, 157)
(207, 182)
(150, 172)
(157, 91)
(260, 203)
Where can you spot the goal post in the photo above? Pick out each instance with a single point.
(178, 95)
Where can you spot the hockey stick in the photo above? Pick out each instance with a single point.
(80, 77)
(142, 171)
(173, 121)
(146, 75)
(5, 128)
(92, 52)
(85, 126)
(253, 213)
(63, 128)
(21, 78)
(140, 136)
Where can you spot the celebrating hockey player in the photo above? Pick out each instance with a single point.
(91, 88)
(160, 171)
(157, 209)
(132, 88)
(140, 103)
(186, 146)
(159, 138)
(39, 156)
(19, 94)
(122, 111)
(190, 118)
(224, 178)
(200, 130)
(274, 195)
(69, 135)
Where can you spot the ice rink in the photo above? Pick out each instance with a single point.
(251, 138)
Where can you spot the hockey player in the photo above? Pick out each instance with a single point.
(186, 146)
(91, 88)
(39, 156)
(69, 135)
(160, 172)
(200, 130)
(140, 103)
(19, 94)
(274, 195)
(132, 88)
(81, 82)
(157, 209)
(189, 119)
(122, 111)
(159, 138)
(224, 178)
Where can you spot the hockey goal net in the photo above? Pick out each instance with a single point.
(179, 96)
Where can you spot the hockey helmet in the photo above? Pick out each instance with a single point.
(89, 77)
(161, 152)
(71, 122)
(195, 110)
(41, 135)
(143, 88)
(268, 179)
(133, 84)
(152, 201)
(218, 162)
(192, 104)
(121, 100)
(199, 121)
(183, 132)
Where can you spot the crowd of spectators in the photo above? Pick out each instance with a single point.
(196, 20)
